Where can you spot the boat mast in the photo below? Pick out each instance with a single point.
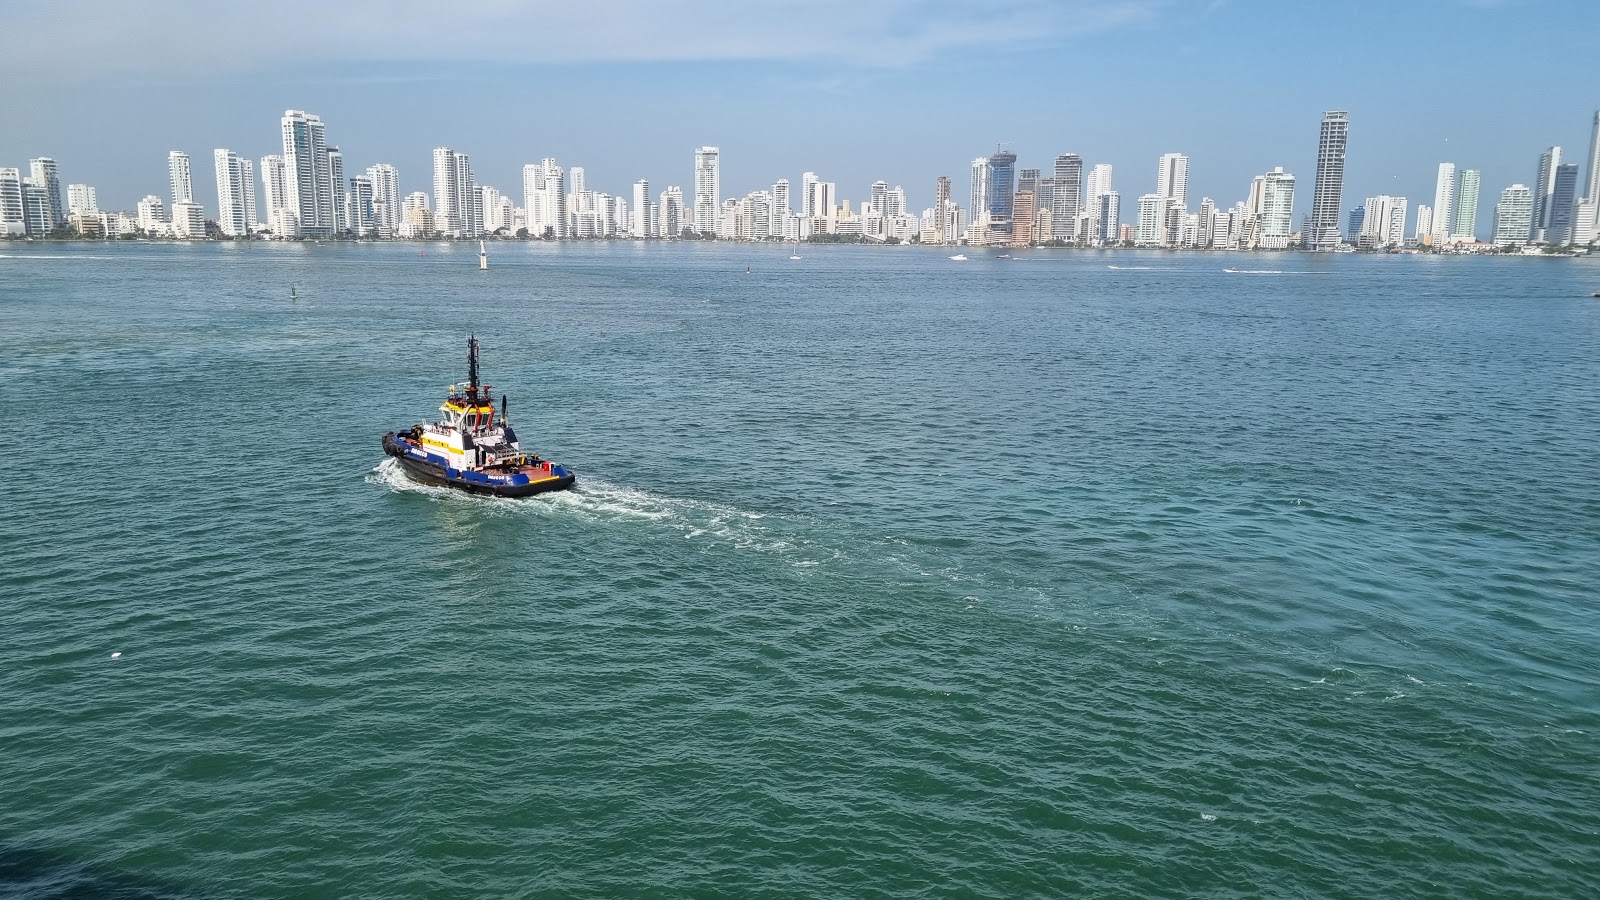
(472, 368)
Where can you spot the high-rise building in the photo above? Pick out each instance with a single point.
(152, 213)
(641, 208)
(386, 211)
(1424, 220)
(1544, 189)
(1322, 231)
(1277, 209)
(1356, 219)
(36, 208)
(247, 168)
(281, 220)
(672, 214)
(81, 200)
(1152, 227)
(707, 188)
(1107, 226)
(232, 217)
(178, 177)
(1464, 224)
(1066, 197)
(1513, 215)
(1002, 189)
(1028, 180)
(1444, 198)
(457, 206)
(44, 174)
(336, 179)
(309, 190)
(780, 207)
(1563, 205)
(1591, 189)
(1022, 214)
(1172, 179)
(1384, 222)
(941, 202)
(188, 220)
(360, 214)
(806, 181)
(978, 203)
(12, 221)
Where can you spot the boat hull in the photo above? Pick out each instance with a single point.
(426, 472)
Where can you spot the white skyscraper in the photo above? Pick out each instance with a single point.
(1424, 217)
(1592, 185)
(13, 222)
(360, 213)
(1172, 179)
(81, 199)
(275, 192)
(152, 213)
(1444, 198)
(457, 206)
(232, 217)
(1152, 227)
(672, 213)
(247, 167)
(178, 177)
(1513, 215)
(806, 181)
(545, 198)
(44, 174)
(780, 207)
(340, 189)
(1544, 195)
(641, 208)
(1383, 223)
(707, 188)
(1067, 198)
(1277, 209)
(309, 191)
(978, 201)
(386, 210)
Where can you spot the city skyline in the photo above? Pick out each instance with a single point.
(879, 112)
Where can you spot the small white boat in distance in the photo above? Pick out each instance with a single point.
(959, 257)
(795, 253)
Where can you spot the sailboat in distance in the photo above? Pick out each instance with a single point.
(795, 253)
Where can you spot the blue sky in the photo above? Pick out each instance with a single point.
(855, 90)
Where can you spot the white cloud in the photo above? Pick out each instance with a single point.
(194, 38)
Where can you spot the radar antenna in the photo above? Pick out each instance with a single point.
(472, 367)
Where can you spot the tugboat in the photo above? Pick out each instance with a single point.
(470, 450)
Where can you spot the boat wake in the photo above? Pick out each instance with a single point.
(1131, 268)
(598, 501)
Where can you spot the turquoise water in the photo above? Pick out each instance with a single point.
(887, 576)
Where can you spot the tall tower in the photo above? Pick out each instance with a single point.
(43, 170)
(385, 198)
(337, 182)
(1327, 197)
(178, 177)
(308, 177)
(1277, 209)
(1513, 215)
(1464, 226)
(275, 191)
(707, 188)
(1444, 199)
(1066, 200)
(1172, 179)
(780, 207)
(1002, 188)
(978, 204)
(641, 208)
(232, 216)
(1591, 191)
(446, 209)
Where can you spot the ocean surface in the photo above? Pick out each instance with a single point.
(887, 576)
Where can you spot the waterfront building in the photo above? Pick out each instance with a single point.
(188, 221)
(978, 201)
(1424, 216)
(1383, 224)
(1108, 217)
(1544, 189)
(336, 180)
(457, 205)
(1444, 198)
(1277, 209)
(1152, 227)
(707, 188)
(1067, 196)
(1002, 190)
(939, 217)
(641, 208)
(44, 173)
(360, 212)
(1464, 224)
(232, 219)
(807, 180)
(780, 207)
(673, 221)
(179, 178)
(1591, 189)
(81, 199)
(1563, 205)
(1356, 219)
(1513, 216)
(247, 172)
(12, 221)
(309, 190)
(386, 208)
(1322, 231)
(36, 208)
(281, 220)
(151, 213)
(1022, 215)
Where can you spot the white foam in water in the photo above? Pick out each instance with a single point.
(1207, 817)
(116, 654)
